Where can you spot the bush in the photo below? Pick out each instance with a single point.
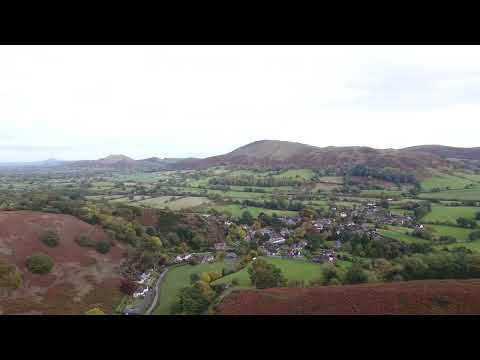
(95, 311)
(475, 235)
(356, 275)
(128, 287)
(85, 241)
(50, 238)
(103, 247)
(40, 264)
(9, 276)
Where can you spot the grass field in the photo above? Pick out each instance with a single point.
(177, 204)
(305, 174)
(444, 181)
(332, 179)
(450, 213)
(381, 193)
(176, 279)
(291, 269)
(237, 210)
(473, 177)
(460, 234)
(398, 233)
(463, 194)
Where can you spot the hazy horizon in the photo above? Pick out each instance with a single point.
(87, 102)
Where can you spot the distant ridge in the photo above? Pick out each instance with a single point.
(283, 154)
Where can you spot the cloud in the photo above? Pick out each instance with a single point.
(32, 148)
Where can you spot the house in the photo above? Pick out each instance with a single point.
(231, 255)
(277, 240)
(220, 246)
(343, 214)
(180, 258)
(141, 293)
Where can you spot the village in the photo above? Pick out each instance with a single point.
(283, 241)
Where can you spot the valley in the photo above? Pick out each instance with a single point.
(321, 216)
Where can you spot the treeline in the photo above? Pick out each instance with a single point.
(367, 245)
(250, 180)
(441, 265)
(391, 175)
(279, 204)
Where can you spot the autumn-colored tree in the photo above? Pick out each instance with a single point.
(128, 287)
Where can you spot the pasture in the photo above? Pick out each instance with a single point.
(450, 213)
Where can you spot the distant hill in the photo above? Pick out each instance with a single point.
(447, 151)
(426, 297)
(282, 154)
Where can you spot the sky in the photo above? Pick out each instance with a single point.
(86, 102)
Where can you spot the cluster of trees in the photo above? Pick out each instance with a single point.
(195, 299)
(421, 209)
(265, 275)
(333, 275)
(366, 245)
(441, 265)
(250, 180)
(466, 223)
(383, 174)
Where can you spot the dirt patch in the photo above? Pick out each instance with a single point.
(78, 271)
(402, 298)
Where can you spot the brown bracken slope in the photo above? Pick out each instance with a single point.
(81, 278)
(284, 154)
(429, 297)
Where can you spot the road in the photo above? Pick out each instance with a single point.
(153, 305)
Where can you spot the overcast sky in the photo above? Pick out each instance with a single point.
(86, 102)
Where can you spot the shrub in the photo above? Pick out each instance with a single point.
(40, 264)
(356, 275)
(50, 238)
(475, 235)
(85, 241)
(128, 287)
(9, 276)
(103, 247)
(95, 311)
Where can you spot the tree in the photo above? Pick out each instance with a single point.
(329, 274)
(194, 300)
(477, 215)
(128, 287)
(356, 275)
(40, 264)
(466, 223)
(246, 218)
(50, 238)
(265, 275)
(103, 247)
(474, 235)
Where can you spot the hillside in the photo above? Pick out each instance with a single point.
(429, 297)
(446, 151)
(81, 278)
(283, 154)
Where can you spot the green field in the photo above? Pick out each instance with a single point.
(381, 193)
(450, 213)
(399, 233)
(237, 210)
(460, 234)
(305, 174)
(177, 204)
(176, 279)
(291, 269)
(444, 181)
(463, 194)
